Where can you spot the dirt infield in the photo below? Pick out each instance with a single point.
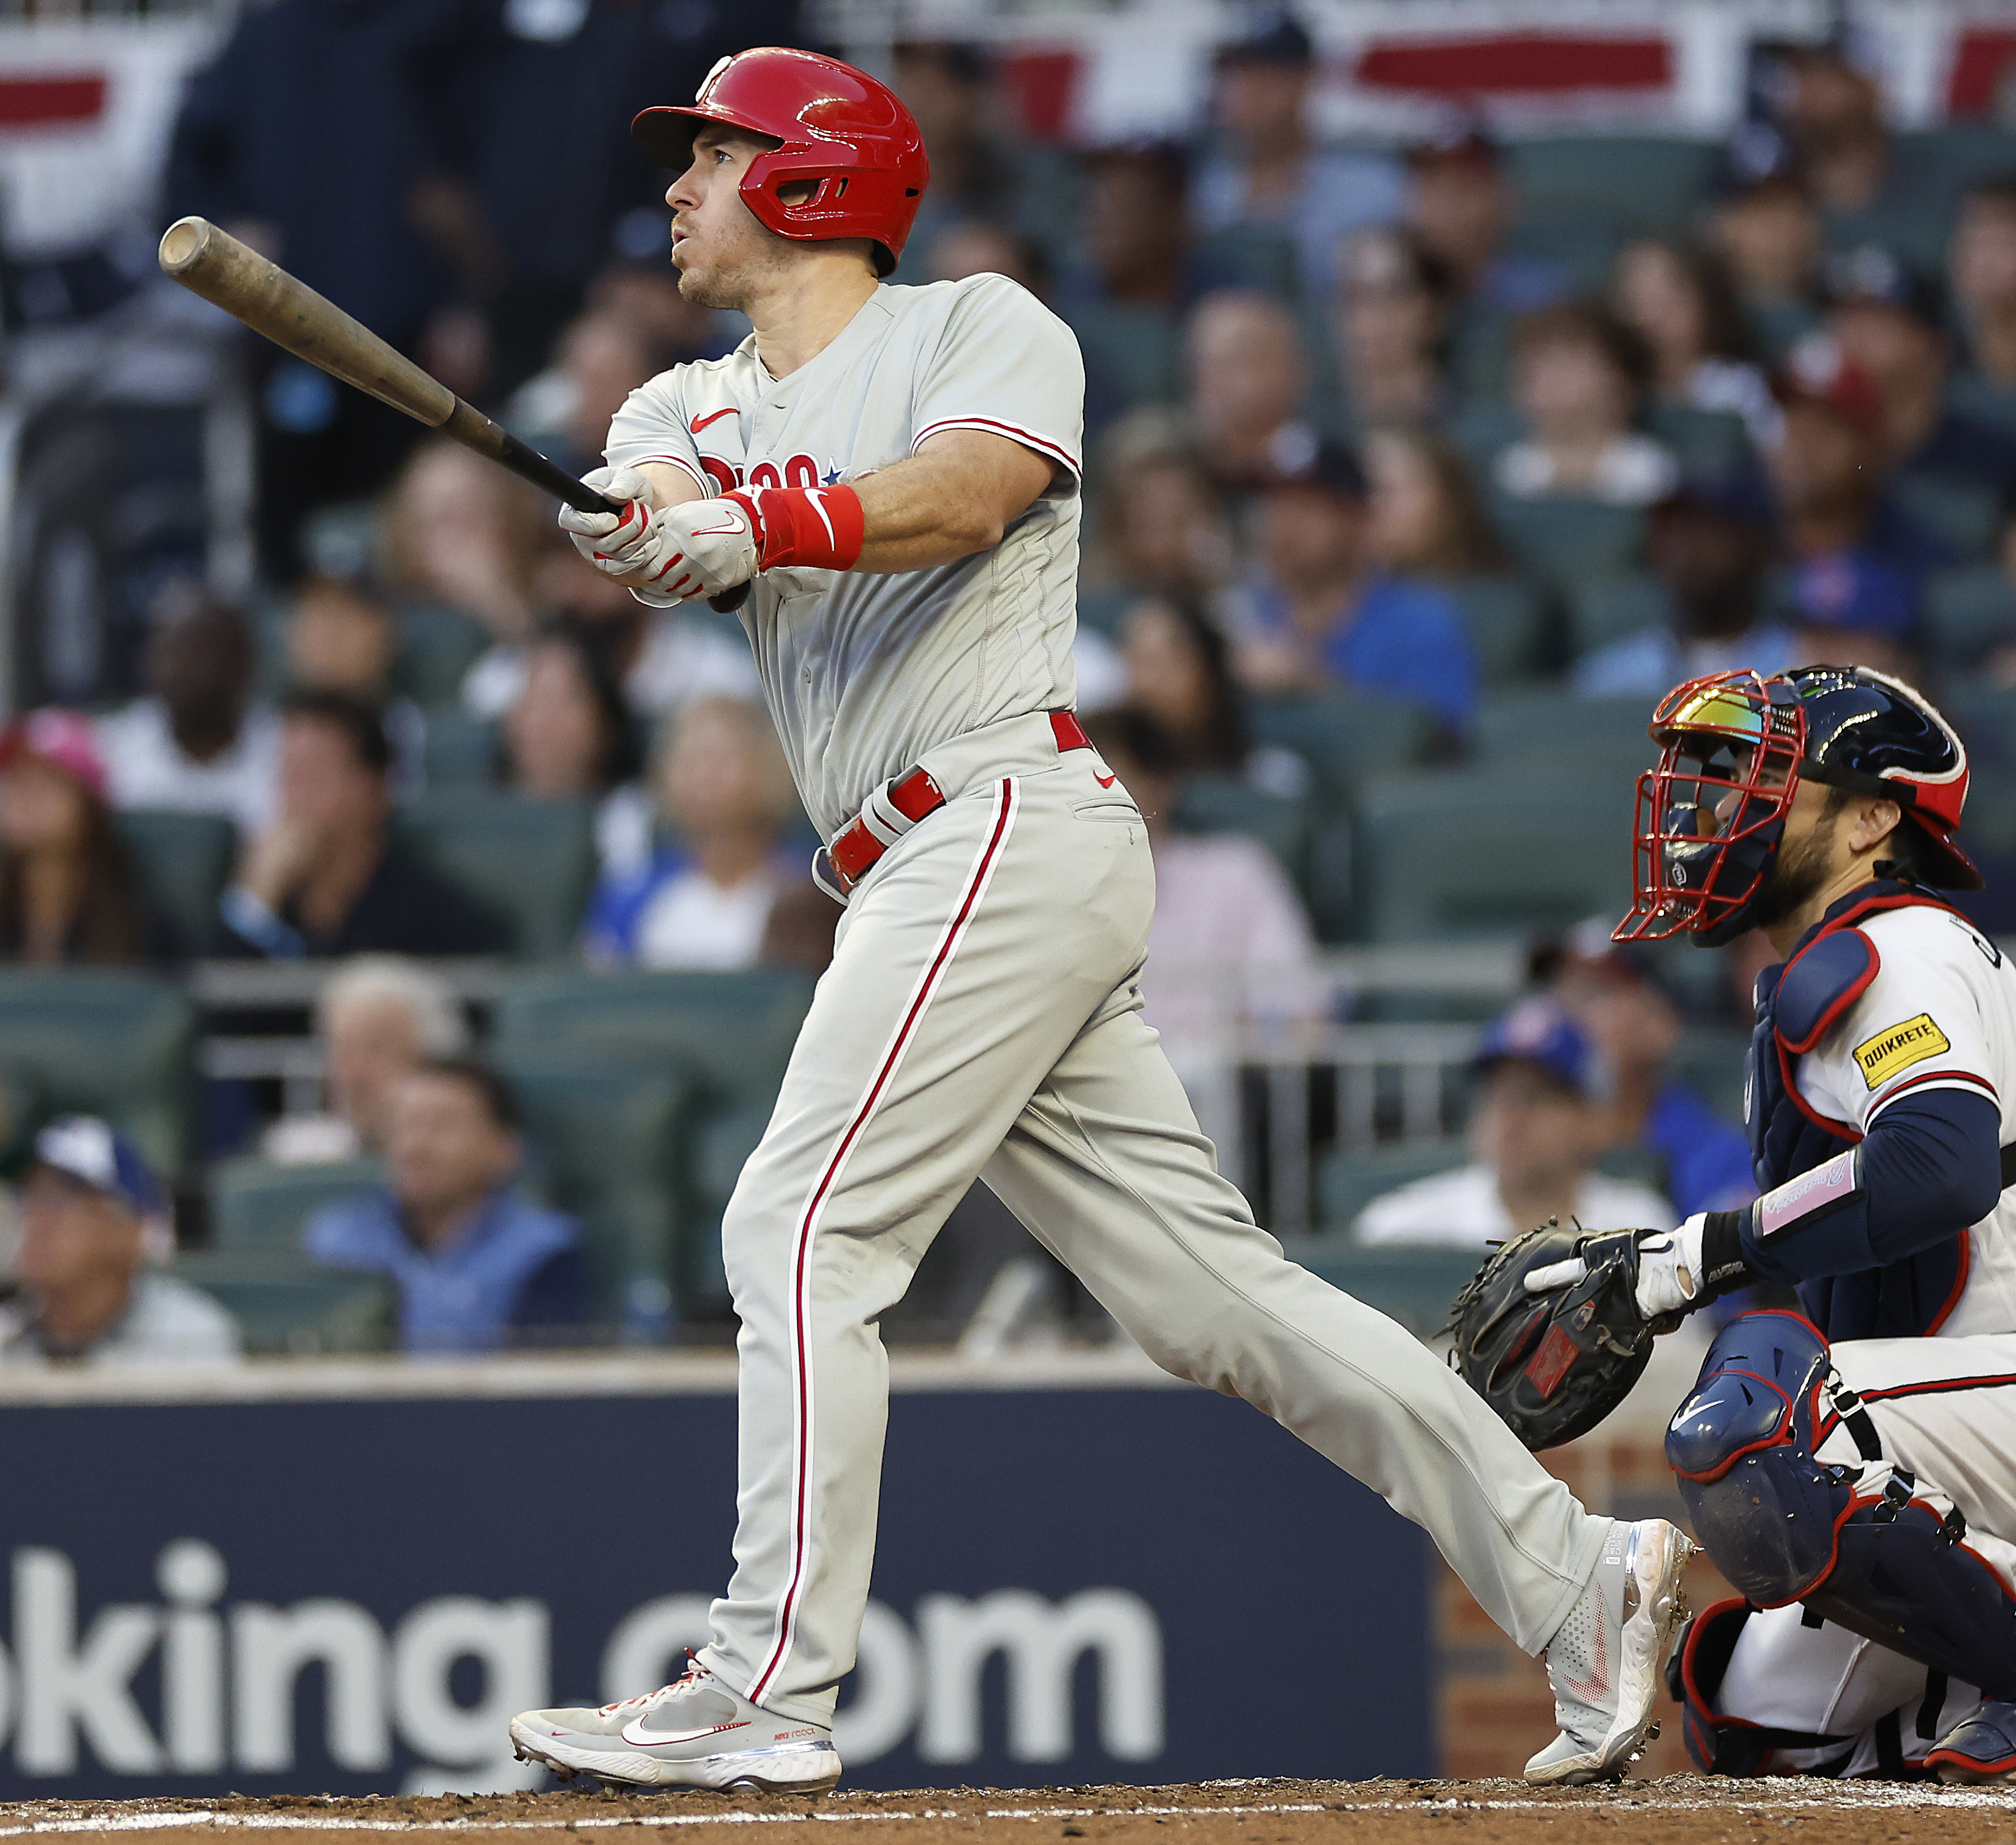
(1673, 1808)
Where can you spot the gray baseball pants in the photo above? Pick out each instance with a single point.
(981, 1018)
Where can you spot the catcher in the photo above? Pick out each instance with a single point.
(1848, 1470)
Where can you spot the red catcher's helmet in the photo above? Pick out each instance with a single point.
(839, 127)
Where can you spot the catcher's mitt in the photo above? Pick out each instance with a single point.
(1554, 1363)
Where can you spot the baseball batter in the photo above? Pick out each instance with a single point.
(1851, 1470)
(893, 472)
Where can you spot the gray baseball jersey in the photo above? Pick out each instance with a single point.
(863, 673)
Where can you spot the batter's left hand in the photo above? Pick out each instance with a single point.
(700, 549)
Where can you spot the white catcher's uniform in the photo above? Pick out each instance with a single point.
(1939, 1014)
(981, 1018)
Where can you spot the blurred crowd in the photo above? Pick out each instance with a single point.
(1364, 434)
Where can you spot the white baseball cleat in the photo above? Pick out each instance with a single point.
(695, 1732)
(1603, 1662)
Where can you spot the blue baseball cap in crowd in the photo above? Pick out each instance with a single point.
(1845, 590)
(1537, 1030)
(89, 1150)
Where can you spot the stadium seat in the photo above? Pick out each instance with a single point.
(462, 750)
(1343, 738)
(1346, 1182)
(1229, 804)
(1548, 727)
(255, 1204)
(184, 861)
(1983, 400)
(1494, 852)
(605, 1131)
(1583, 250)
(1630, 180)
(1507, 618)
(725, 1037)
(1985, 717)
(437, 648)
(116, 1044)
(1966, 612)
(1965, 519)
(530, 862)
(1710, 444)
(1332, 880)
(284, 1304)
(1709, 1060)
(1609, 609)
(21, 1112)
(1415, 1286)
(1571, 541)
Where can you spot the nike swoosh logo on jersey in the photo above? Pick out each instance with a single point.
(701, 422)
(634, 1732)
(1104, 781)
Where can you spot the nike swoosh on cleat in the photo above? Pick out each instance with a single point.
(701, 422)
(1104, 781)
(634, 1732)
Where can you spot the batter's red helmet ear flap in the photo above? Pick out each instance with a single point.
(835, 127)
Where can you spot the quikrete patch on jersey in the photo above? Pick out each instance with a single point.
(1897, 1048)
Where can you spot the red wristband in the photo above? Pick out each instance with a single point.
(819, 528)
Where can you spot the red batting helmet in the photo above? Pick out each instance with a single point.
(838, 126)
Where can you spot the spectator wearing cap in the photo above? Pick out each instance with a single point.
(1980, 275)
(477, 1264)
(327, 878)
(1891, 325)
(1579, 377)
(198, 742)
(1249, 380)
(1539, 1126)
(1855, 558)
(1395, 303)
(1766, 229)
(1322, 613)
(91, 1212)
(68, 890)
(1681, 300)
(1461, 206)
(1266, 170)
(1710, 545)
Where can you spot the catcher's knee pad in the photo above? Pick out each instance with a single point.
(1742, 1443)
(1782, 1526)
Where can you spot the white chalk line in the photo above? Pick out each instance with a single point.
(1862, 1799)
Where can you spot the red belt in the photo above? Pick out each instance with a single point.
(857, 845)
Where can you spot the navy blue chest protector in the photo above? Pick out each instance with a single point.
(1797, 1005)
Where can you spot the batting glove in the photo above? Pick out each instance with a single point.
(1670, 1270)
(703, 548)
(616, 544)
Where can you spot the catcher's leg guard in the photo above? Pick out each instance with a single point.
(1719, 1744)
(1853, 1545)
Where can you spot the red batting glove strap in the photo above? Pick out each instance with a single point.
(817, 528)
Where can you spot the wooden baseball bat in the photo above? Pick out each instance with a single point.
(215, 265)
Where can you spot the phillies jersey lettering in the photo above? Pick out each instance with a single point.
(864, 673)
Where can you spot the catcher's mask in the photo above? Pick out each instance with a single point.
(1733, 748)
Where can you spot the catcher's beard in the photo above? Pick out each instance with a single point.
(1799, 871)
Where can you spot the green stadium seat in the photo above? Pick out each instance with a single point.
(284, 1304)
(1570, 541)
(1415, 1286)
(1967, 519)
(184, 861)
(1507, 618)
(1492, 852)
(606, 1131)
(1706, 442)
(1229, 804)
(462, 750)
(1584, 248)
(1983, 400)
(530, 862)
(724, 1037)
(1550, 728)
(255, 1204)
(1610, 609)
(1346, 1182)
(1709, 1060)
(112, 1044)
(1966, 612)
(1632, 181)
(437, 646)
(1986, 716)
(1346, 738)
(21, 1112)
(1332, 880)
